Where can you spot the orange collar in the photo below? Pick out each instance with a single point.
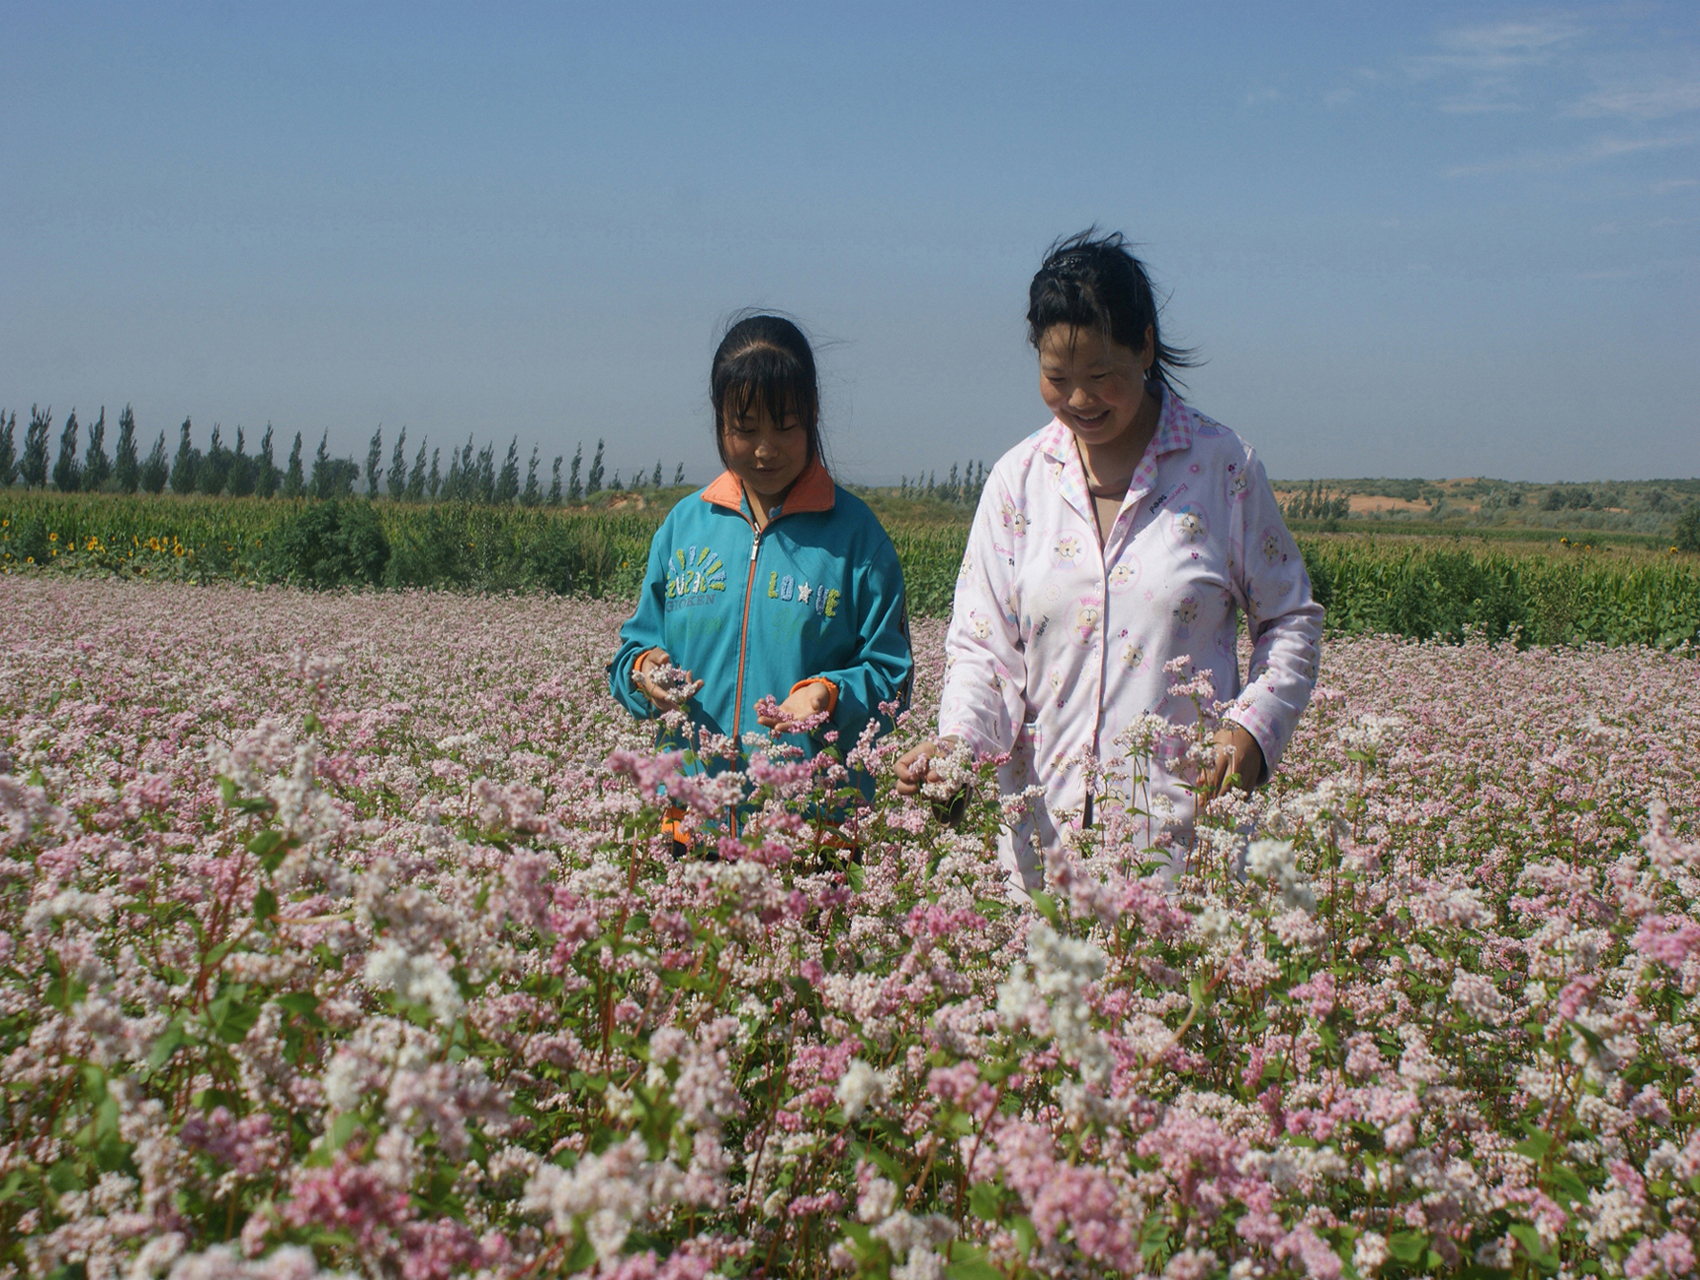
(812, 491)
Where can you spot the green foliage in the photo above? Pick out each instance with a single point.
(1688, 530)
(68, 472)
(126, 467)
(333, 544)
(349, 542)
(186, 467)
(1425, 591)
(155, 471)
(8, 449)
(32, 463)
(931, 555)
(1403, 587)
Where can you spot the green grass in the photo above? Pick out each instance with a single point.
(1426, 590)
(1445, 586)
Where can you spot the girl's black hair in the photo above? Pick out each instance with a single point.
(1092, 281)
(765, 362)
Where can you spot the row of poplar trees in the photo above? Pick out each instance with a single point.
(470, 476)
(963, 487)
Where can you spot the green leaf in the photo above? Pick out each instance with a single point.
(1407, 1246)
(344, 1127)
(302, 1002)
(886, 1162)
(985, 1201)
(1530, 1239)
(64, 1178)
(1570, 1187)
(1046, 906)
(231, 1016)
(581, 1258)
(265, 842)
(1535, 1146)
(1026, 1234)
(971, 1266)
(265, 905)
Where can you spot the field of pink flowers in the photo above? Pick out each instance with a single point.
(339, 935)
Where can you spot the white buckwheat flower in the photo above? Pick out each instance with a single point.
(859, 1085)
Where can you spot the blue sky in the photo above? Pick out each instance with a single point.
(1435, 240)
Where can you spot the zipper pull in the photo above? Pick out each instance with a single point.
(755, 543)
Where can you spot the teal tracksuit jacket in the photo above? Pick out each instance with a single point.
(818, 593)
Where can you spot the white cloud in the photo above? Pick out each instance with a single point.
(1339, 97)
(1500, 47)
(1489, 62)
(1483, 99)
(1256, 97)
(1642, 102)
(1673, 184)
(1557, 161)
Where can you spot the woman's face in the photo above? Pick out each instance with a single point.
(1093, 384)
(767, 456)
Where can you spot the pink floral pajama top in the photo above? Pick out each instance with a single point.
(1055, 647)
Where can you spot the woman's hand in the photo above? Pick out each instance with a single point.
(814, 699)
(914, 768)
(667, 695)
(1237, 753)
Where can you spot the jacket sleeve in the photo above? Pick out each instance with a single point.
(883, 664)
(643, 631)
(984, 698)
(1285, 623)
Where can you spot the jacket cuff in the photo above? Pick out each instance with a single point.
(1265, 729)
(637, 662)
(831, 690)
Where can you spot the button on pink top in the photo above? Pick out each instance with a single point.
(1054, 646)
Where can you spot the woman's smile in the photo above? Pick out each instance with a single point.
(1095, 387)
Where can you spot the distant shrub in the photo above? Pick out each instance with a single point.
(334, 544)
(1688, 530)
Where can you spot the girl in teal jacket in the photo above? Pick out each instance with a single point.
(771, 582)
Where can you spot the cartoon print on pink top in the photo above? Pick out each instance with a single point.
(1067, 551)
(1186, 613)
(1086, 618)
(1200, 539)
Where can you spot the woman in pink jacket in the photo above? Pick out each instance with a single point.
(1128, 532)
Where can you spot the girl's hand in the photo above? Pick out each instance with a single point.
(802, 706)
(1237, 753)
(914, 768)
(662, 683)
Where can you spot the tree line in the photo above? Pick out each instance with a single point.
(1317, 503)
(472, 474)
(960, 486)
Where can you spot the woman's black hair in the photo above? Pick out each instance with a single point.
(1092, 281)
(765, 362)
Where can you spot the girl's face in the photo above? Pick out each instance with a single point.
(767, 456)
(1093, 384)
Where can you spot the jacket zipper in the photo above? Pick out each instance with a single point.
(743, 649)
(744, 632)
(1103, 636)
